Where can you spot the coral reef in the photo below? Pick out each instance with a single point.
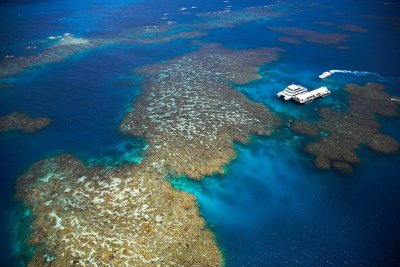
(300, 34)
(289, 40)
(230, 18)
(323, 23)
(304, 128)
(127, 216)
(352, 28)
(190, 116)
(21, 121)
(68, 45)
(6, 85)
(349, 129)
(393, 20)
(347, 27)
(130, 215)
(154, 34)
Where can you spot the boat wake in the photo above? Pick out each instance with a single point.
(358, 73)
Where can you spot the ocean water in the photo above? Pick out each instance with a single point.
(272, 207)
(280, 211)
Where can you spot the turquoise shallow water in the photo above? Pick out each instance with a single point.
(280, 211)
(272, 207)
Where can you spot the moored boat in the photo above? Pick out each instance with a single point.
(291, 91)
(311, 95)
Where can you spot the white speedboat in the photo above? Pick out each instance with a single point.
(291, 91)
(325, 74)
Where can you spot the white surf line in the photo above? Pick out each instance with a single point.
(358, 73)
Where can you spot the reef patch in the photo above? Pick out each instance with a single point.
(289, 40)
(352, 28)
(310, 36)
(4, 85)
(128, 216)
(323, 23)
(190, 116)
(393, 20)
(229, 18)
(68, 46)
(349, 129)
(21, 121)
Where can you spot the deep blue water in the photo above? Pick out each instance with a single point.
(280, 211)
(272, 207)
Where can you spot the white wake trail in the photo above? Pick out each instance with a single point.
(358, 73)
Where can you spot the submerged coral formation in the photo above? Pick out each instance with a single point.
(304, 128)
(299, 34)
(190, 116)
(68, 45)
(347, 27)
(323, 23)
(228, 18)
(347, 130)
(21, 121)
(352, 28)
(288, 40)
(127, 216)
(5, 85)
(130, 215)
(393, 21)
(152, 34)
